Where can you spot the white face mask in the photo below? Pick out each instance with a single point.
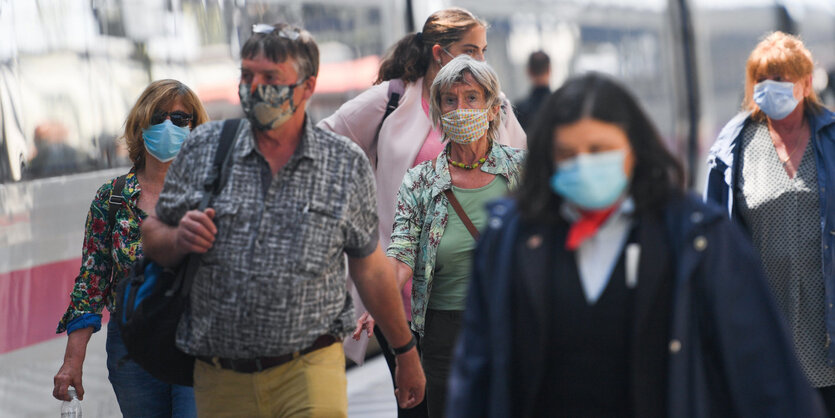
(464, 126)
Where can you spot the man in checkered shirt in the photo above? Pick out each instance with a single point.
(269, 307)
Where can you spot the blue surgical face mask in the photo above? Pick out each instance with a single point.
(775, 98)
(164, 140)
(591, 181)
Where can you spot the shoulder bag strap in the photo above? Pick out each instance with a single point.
(115, 201)
(461, 214)
(211, 188)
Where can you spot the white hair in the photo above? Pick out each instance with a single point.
(453, 73)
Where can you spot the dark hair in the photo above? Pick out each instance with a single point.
(282, 42)
(409, 58)
(538, 63)
(657, 175)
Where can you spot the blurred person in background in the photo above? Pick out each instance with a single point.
(773, 168)
(603, 290)
(441, 206)
(407, 136)
(539, 73)
(155, 129)
(53, 154)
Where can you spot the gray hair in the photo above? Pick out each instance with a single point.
(454, 72)
(281, 41)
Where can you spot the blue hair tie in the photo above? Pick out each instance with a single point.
(419, 37)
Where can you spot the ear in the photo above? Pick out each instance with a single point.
(437, 50)
(494, 111)
(807, 85)
(309, 87)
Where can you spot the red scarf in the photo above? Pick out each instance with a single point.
(586, 226)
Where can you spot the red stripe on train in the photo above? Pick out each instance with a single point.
(32, 302)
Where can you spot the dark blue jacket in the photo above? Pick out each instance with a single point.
(729, 353)
(722, 180)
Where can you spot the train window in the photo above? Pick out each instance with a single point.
(630, 40)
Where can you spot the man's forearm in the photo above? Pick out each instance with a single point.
(159, 242)
(377, 287)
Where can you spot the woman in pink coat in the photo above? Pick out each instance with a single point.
(406, 136)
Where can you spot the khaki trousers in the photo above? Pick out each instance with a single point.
(312, 385)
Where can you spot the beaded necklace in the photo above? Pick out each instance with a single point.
(468, 166)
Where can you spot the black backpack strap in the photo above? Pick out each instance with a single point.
(115, 201)
(396, 89)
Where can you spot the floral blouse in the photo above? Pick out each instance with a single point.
(421, 217)
(104, 259)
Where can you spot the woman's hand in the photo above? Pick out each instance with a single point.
(70, 372)
(366, 322)
(68, 375)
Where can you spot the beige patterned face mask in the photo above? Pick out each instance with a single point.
(464, 126)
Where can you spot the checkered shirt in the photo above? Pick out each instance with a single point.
(274, 279)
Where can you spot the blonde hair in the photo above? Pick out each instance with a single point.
(452, 73)
(157, 96)
(779, 54)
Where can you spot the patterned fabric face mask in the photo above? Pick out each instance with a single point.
(269, 106)
(464, 126)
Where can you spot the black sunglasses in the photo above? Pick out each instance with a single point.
(179, 118)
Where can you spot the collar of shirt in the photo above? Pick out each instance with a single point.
(496, 164)
(306, 149)
(597, 256)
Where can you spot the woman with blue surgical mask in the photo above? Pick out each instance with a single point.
(773, 169)
(602, 289)
(155, 129)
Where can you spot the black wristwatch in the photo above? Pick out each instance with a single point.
(400, 350)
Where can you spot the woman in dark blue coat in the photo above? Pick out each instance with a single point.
(602, 289)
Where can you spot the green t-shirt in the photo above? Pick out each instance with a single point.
(453, 263)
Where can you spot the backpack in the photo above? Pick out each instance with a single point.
(151, 300)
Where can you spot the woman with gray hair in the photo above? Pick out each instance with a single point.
(441, 207)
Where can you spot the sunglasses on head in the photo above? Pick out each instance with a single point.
(179, 118)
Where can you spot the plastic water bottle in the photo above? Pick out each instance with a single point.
(71, 409)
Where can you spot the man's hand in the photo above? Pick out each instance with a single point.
(411, 383)
(196, 231)
(365, 322)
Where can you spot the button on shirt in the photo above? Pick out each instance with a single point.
(274, 280)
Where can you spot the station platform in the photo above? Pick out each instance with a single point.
(370, 392)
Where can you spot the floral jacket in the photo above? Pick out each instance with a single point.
(421, 217)
(104, 259)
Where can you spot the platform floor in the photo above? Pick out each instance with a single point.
(370, 392)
